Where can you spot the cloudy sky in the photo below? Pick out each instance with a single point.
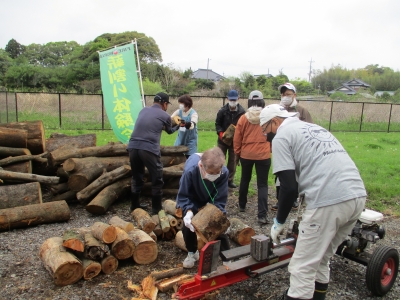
(230, 37)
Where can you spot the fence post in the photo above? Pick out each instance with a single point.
(330, 117)
(16, 107)
(390, 117)
(7, 106)
(361, 118)
(102, 112)
(59, 109)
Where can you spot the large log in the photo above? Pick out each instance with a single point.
(103, 181)
(210, 222)
(69, 196)
(91, 268)
(72, 239)
(20, 195)
(175, 170)
(10, 151)
(157, 230)
(36, 135)
(15, 138)
(123, 246)
(109, 264)
(104, 163)
(34, 214)
(168, 161)
(58, 140)
(61, 154)
(143, 220)
(167, 284)
(240, 232)
(173, 150)
(170, 208)
(124, 225)
(180, 243)
(104, 232)
(145, 247)
(164, 222)
(94, 249)
(20, 158)
(15, 176)
(59, 188)
(24, 167)
(63, 266)
(100, 204)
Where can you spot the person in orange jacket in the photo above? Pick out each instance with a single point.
(253, 149)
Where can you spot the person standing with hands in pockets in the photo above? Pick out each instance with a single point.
(187, 133)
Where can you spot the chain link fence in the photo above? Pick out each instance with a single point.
(82, 111)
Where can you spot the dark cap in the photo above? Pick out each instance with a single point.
(162, 98)
(233, 95)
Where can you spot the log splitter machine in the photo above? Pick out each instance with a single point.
(264, 256)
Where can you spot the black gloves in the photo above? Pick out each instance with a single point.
(188, 124)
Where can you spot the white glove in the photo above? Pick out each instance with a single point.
(188, 220)
(276, 230)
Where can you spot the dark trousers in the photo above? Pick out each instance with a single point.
(190, 239)
(140, 159)
(262, 169)
(231, 159)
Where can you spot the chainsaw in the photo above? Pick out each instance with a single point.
(264, 256)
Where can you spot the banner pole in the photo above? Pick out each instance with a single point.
(139, 71)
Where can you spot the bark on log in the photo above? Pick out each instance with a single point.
(10, 151)
(7, 175)
(143, 220)
(104, 232)
(124, 225)
(169, 235)
(153, 236)
(63, 266)
(173, 150)
(72, 239)
(69, 196)
(179, 224)
(13, 138)
(59, 188)
(180, 243)
(20, 158)
(107, 163)
(36, 135)
(79, 141)
(109, 195)
(210, 222)
(123, 247)
(170, 208)
(240, 232)
(157, 230)
(158, 275)
(91, 268)
(21, 167)
(164, 222)
(34, 214)
(62, 174)
(149, 290)
(109, 264)
(172, 171)
(94, 249)
(171, 182)
(168, 161)
(20, 195)
(61, 154)
(145, 247)
(168, 284)
(103, 181)
(172, 220)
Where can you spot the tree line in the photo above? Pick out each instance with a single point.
(67, 66)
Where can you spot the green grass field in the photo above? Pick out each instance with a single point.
(375, 154)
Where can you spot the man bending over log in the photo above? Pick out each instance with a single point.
(204, 180)
(144, 150)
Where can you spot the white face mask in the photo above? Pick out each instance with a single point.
(181, 106)
(286, 100)
(233, 103)
(211, 177)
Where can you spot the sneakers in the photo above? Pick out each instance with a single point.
(191, 259)
(263, 220)
(232, 185)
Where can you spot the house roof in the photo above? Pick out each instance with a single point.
(357, 82)
(344, 88)
(207, 74)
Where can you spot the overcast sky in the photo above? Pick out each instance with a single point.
(230, 36)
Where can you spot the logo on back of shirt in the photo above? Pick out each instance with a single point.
(321, 139)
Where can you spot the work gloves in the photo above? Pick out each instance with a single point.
(185, 124)
(221, 134)
(276, 230)
(188, 220)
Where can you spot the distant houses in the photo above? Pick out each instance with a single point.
(351, 87)
(207, 74)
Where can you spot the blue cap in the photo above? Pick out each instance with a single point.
(233, 95)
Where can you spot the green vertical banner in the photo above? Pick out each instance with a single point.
(121, 93)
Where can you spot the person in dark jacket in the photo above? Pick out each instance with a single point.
(144, 150)
(227, 115)
(204, 180)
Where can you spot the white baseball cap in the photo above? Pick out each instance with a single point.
(288, 85)
(255, 95)
(274, 110)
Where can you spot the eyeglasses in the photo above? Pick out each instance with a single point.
(265, 126)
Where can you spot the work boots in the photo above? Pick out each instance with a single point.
(320, 291)
(156, 204)
(135, 202)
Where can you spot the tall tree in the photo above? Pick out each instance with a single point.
(14, 49)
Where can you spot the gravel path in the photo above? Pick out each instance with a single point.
(23, 276)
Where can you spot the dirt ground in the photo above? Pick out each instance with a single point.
(23, 276)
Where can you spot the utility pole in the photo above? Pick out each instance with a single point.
(309, 74)
(208, 61)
